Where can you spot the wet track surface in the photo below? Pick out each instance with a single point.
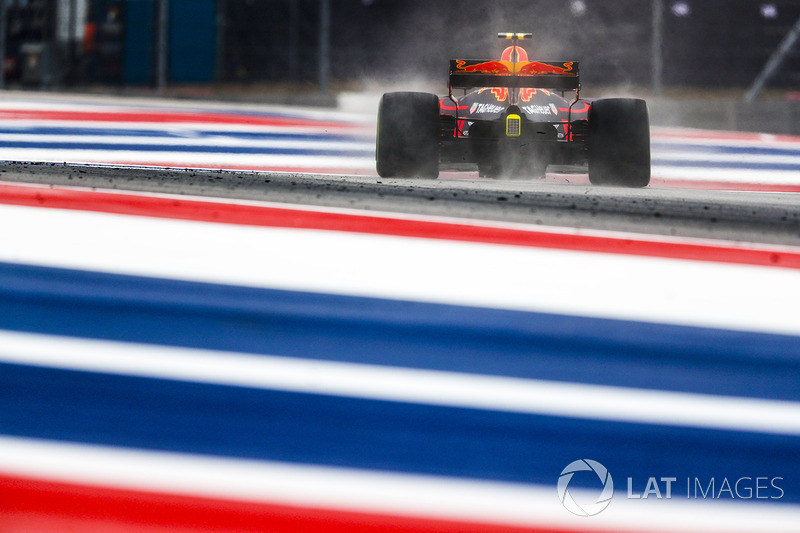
(745, 216)
(285, 341)
(326, 158)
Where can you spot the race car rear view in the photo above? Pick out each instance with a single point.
(513, 122)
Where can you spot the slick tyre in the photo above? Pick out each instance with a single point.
(408, 136)
(619, 142)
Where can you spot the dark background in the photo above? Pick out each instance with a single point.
(719, 43)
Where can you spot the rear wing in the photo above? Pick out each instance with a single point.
(468, 73)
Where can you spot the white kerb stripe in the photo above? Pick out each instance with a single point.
(369, 491)
(404, 384)
(637, 288)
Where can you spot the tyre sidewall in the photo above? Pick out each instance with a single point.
(407, 142)
(619, 142)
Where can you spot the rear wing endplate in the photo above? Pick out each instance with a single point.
(468, 73)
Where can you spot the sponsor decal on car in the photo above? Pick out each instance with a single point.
(478, 108)
(501, 93)
(525, 94)
(535, 109)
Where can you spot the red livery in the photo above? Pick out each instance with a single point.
(514, 120)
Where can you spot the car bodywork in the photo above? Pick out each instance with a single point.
(513, 120)
(517, 121)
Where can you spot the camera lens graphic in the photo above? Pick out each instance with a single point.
(585, 508)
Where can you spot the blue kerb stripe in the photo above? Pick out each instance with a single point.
(186, 148)
(750, 165)
(722, 149)
(249, 423)
(399, 333)
(178, 133)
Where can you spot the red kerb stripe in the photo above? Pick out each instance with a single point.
(37, 505)
(168, 117)
(252, 215)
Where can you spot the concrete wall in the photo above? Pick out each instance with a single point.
(731, 114)
(781, 117)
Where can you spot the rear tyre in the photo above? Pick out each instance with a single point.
(408, 136)
(619, 142)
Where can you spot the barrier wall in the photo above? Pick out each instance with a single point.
(782, 117)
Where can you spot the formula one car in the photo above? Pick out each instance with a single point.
(514, 122)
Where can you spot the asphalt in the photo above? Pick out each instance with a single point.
(772, 218)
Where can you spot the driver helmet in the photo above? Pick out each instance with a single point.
(522, 55)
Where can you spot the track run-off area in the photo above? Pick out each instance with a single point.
(218, 318)
(274, 138)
